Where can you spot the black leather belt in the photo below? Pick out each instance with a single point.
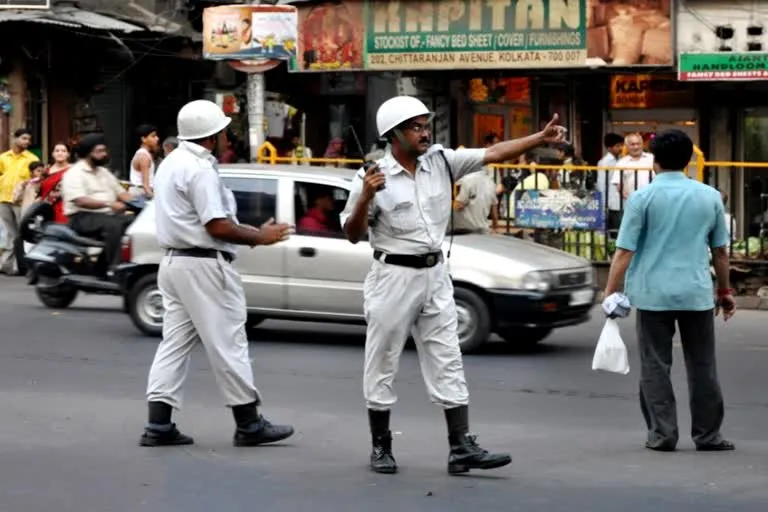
(199, 252)
(410, 260)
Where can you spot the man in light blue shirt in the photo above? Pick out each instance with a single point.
(662, 248)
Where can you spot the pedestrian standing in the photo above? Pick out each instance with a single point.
(614, 144)
(662, 249)
(142, 174)
(203, 294)
(408, 288)
(14, 169)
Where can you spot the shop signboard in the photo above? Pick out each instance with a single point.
(559, 209)
(249, 32)
(722, 67)
(25, 4)
(429, 35)
(639, 91)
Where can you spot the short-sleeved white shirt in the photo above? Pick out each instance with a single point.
(82, 181)
(188, 195)
(633, 180)
(413, 211)
(478, 194)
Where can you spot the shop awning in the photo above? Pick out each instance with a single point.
(71, 17)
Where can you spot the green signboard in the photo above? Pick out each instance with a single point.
(432, 35)
(714, 67)
(470, 34)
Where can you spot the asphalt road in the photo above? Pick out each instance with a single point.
(72, 409)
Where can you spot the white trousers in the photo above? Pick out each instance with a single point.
(399, 300)
(204, 301)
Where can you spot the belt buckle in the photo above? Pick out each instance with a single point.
(431, 260)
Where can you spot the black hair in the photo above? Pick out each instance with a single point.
(22, 131)
(611, 139)
(145, 130)
(566, 148)
(318, 192)
(35, 165)
(490, 138)
(672, 150)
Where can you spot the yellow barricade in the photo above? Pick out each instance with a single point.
(598, 246)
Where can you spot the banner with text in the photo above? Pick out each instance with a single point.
(722, 67)
(248, 32)
(431, 35)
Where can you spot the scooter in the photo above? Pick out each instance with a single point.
(63, 263)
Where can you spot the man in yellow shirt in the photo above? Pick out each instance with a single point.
(14, 169)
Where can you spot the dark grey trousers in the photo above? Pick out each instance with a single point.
(655, 330)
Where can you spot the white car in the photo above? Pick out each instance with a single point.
(517, 289)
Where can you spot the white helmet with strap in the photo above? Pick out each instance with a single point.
(395, 111)
(199, 119)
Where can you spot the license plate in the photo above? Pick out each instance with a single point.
(582, 297)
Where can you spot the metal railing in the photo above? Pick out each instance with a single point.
(748, 226)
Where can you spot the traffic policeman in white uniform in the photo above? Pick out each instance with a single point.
(202, 292)
(407, 198)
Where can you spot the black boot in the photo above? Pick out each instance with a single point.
(382, 460)
(253, 429)
(465, 453)
(160, 431)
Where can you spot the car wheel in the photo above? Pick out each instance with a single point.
(145, 306)
(59, 297)
(524, 336)
(474, 321)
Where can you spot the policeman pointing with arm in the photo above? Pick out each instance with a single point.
(202, 292)
(408, 289)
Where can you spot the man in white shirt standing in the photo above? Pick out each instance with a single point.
(614, 143)
(626, 179)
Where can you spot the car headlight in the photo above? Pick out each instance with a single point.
(537, 281)
(591, 273)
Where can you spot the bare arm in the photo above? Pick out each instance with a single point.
(357, 224)
(618, 270)
(354, 218)
(143, 165)
(722, 267)
(632, 227)
(204, 190)
(241, 234)
(512, 149)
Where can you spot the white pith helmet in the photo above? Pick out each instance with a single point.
(397, 110)
(199, 119)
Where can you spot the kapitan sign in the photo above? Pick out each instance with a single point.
(430, 35)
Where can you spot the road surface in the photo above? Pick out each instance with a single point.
(72, 409)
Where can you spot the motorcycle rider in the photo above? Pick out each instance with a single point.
(95, 201)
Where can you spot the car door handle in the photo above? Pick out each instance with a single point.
(307, 252)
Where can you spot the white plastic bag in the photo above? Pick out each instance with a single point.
(611, 353)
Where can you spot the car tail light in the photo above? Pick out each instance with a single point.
(126, 252)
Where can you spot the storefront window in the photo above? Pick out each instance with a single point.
(502, 106)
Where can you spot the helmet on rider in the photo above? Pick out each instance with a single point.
(200, 119)
(405, 119)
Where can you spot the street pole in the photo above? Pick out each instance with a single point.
(255, 113)
(255, 95)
